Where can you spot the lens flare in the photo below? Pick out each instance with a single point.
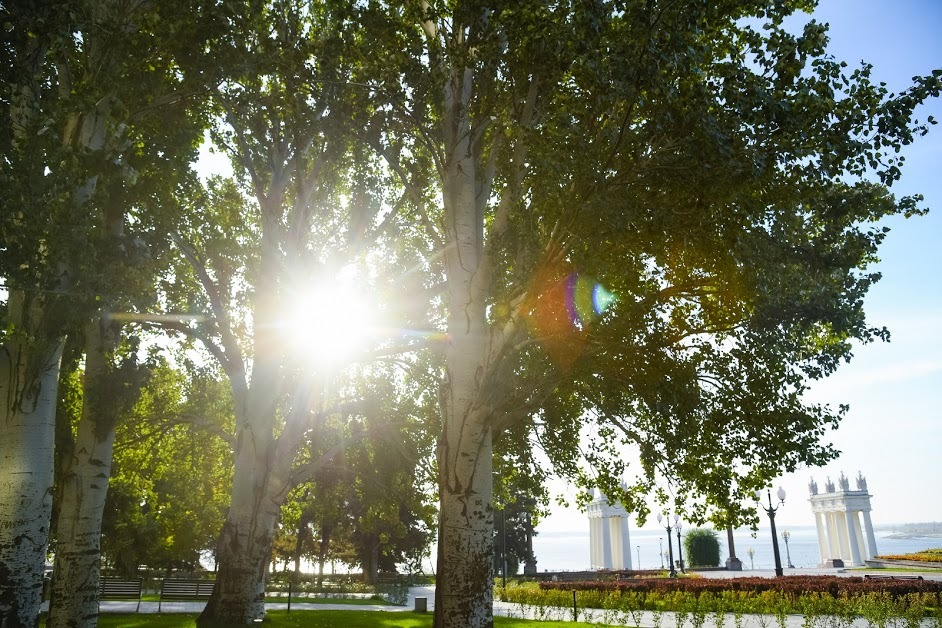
(586, 299)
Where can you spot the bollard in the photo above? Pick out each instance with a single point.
(575, 608)
(421, 604)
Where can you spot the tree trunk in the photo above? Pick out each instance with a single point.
(29, 379)
(244, 551)
(463, 595)
(244, 547)
(74, 598)
(371, 565)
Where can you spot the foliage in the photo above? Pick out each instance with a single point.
(697, 603)
(171, 473)
(832, 585)
(702, 548)
(926, 556)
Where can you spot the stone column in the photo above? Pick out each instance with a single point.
(822, 538)
(606, 543)
(625, 543)
(842, 540)
(858, 535)
(834, 547)
(593, 545)
(871, 539)
(852, 542)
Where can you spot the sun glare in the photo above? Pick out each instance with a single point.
(328, 322)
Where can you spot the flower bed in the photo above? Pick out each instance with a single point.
(925, 556)
(832, 585)
(819, 599)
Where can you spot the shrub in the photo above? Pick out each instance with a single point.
(702, 548)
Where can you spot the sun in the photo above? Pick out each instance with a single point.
(328, 322)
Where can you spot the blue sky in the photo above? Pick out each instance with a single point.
(893, 433)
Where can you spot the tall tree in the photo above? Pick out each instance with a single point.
(711, 169)
(86, 83)
(284, 117)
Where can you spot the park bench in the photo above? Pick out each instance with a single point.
(184, 590)
(882, 577)
(120, 589)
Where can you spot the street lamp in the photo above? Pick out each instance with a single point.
(638, 550)
(788, 556)
(670, 545)
(680, 552)
(771, 512)
(660, 545)
(752, 553)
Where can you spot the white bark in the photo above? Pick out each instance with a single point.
(84, 487)
(464, 589)
(29, 377)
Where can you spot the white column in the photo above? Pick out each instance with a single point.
(822, 538)
(597, 555)
(852, 537)
(834, 547)
(841, 524)
(858, 535)
(871, 539)
(593, 544)
(625, 542)
(606, 544)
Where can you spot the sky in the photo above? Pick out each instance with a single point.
(893, 431)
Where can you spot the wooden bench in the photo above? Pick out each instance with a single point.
(881, 577)
(185, 590)
(120, 589)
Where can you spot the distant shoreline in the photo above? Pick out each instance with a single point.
(914, 535)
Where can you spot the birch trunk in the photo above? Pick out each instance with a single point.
(29, 378)
(463, 595)
(75, 583)
(260, 477)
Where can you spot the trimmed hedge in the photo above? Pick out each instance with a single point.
(834, 586)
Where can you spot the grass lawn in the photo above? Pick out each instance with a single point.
(320, 619)
(297, 599)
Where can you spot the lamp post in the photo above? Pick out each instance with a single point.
(503, 546)
(670, 545)
(660, 545)
(752, 563)
(771, 512)
(788, 556)
(680, 552)
(638, 550)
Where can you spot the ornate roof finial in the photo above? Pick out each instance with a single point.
(861, 482)
(829, 485)
(843, 482)
(813, 487)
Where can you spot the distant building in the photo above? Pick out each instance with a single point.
(842, 541)
(609, 543)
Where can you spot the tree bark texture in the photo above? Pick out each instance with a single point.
(463, 595)
(261, 477)
(75, 583)
(29, 378)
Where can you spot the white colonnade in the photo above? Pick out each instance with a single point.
(609, 542)
(842, 539)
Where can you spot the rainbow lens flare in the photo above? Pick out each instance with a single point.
(585, 299)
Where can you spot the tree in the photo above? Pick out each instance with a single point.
(712, 172)
(702, 548)
(284, 107)
(171, 472)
